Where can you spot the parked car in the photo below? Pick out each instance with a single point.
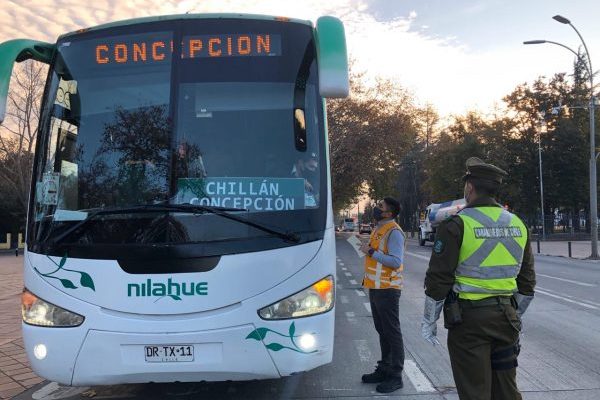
(365, 228)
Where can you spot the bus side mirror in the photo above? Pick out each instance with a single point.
(332, 58)
(19, 50)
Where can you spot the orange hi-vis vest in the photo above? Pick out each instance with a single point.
(378, 276)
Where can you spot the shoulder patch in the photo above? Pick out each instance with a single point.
(438, 246)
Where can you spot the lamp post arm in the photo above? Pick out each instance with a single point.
(586, 51)
(588, 66)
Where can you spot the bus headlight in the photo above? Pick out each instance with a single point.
(36, 311)
(315, 299)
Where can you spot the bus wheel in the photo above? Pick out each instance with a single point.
(421, 239)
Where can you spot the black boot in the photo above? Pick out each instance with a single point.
(375, 377)
(391, 384)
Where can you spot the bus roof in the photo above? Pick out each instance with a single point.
(134, 21)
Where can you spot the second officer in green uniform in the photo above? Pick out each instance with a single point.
(481, 273)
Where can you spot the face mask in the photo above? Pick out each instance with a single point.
(377, 214)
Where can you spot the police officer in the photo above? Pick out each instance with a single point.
(481, 273)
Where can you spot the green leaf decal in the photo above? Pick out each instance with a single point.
(258, 334)
(68, 284)
(174, 297)
(292, 330)
(274, 346)
(62, 262)
(86, 281)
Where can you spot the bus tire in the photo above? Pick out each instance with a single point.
(421, 239)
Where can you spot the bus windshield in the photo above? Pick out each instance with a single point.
(219, 113)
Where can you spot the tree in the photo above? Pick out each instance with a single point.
(17, 139)
(369, 134)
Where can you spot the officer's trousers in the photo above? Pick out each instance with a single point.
(483, 352)
(386, 316)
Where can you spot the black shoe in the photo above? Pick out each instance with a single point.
(375, 377)
(390, 385)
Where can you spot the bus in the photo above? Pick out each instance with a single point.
(348, 225)
(180, 225)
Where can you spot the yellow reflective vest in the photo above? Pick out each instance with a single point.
(491, 253)
(378, 276)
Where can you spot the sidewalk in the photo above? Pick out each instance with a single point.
(15, 374)
(560, 248)
(579, 249)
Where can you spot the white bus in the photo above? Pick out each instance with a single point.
(180, 225)
(349, 225)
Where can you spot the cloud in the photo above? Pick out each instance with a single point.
(439, 70)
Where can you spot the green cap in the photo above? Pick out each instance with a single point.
(480, 170)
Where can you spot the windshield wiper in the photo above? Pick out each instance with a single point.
(186, 208)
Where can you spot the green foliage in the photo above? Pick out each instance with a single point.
(369, 134)
(510, 141)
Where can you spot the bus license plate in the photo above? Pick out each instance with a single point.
(169, 353)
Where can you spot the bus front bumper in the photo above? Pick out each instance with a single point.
(244, 352)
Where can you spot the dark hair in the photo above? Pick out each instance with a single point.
(393, 205)
(484, 186)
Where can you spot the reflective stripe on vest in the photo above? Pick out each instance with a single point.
(378, 276)
(491, 253)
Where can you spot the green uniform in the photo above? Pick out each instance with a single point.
(482, 347)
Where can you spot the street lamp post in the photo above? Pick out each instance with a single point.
(541, 181)
(593, 183)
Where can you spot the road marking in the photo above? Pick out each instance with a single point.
(368, 307)
(342, 264)
(344, 269)
(567, 280)
(347, 274)
(417, 377)
(360, 293)
(53, 391)
(355, 243)
(422, 257)
(353, 282)
(344, 299)
(364, 353)
(579, 302)
(350, 314)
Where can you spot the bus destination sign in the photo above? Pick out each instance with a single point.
(156, 49)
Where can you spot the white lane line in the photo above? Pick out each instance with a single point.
(567, 280)
(347, 274)
(417, 377)
(422, 257)
(342, 264)
(579, 302)
(344, 269)
(355, 243)
(54, 391)
(360, 293)
(353, 282)
(368, 307)
(364, 353)
(570, 297)
(350, 314)
(344, 299)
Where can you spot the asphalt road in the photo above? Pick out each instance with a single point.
(560, 356)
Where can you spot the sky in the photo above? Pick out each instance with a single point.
(456, 55)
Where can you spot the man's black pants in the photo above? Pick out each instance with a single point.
(386, 315)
